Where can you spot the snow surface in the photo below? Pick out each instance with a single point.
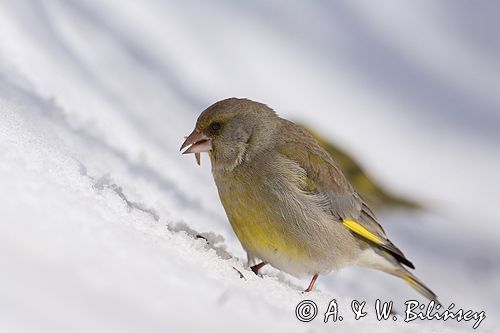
(100, 213)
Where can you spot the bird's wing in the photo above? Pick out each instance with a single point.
(323, 177)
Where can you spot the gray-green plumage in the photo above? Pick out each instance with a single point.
(285, 197)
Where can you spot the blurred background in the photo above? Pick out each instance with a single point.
(100, 212)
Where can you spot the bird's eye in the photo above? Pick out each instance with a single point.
(215, 126)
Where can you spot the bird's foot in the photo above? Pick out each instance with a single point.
(311, 285)
(255, 268)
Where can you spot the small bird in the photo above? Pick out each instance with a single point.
(287, 201)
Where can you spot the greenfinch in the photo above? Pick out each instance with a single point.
(286, 199)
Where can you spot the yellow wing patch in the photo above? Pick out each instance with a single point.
(362, 231)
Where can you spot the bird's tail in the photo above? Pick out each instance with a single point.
(385, 262)
(415, 283)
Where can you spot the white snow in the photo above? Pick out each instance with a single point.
(100, 213)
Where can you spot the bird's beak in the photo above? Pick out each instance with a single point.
(197, 143)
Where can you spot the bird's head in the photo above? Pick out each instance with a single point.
(231, 131)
